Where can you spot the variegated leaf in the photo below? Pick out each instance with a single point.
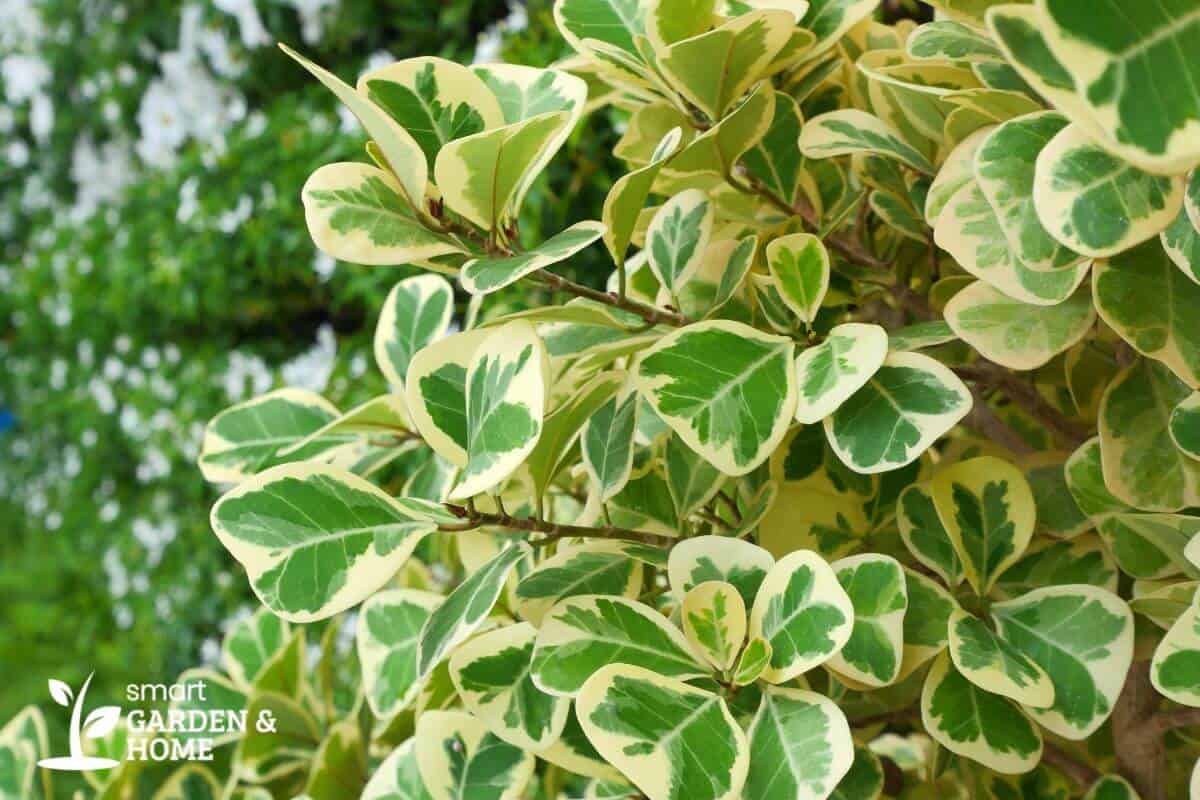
(386, 637)
(249, 437)
(864, 781)
(713, 70)
(490, 274)
(1175, 670)
(316, 540)
(674, 741)
(614, 22)
(492, 675)
(403, 155)
(250, 643)
(877, 590)
(436, 392)
(416, 313)
(459, 759)
(384, 416)
(947, 40)
(481, 176)
(969, 230)
(994, 665)
(607, 443)
(1181, 242)
(1084, 559)
(828, 374)
(506, 388)
(1096, 204)
(1185, 425)
(465, 608)
(926, 622)
(1082, 637)
(755, 658)
(1015, 334)
(584, 633)
(1150, 304)
(677, 238)
(804, 614)
(839, 133)
(1120, 71)
(358, 213)
(977, 724)
(955, 172)
(435, 100)
(397, 777)
(1004, 167)
(800, 266)
(598, 567)
(714, 620)
(726, 389)
(925, 535)
(628, 195)
(1142, 466)
(906, 405)
(800, 746)
(830, 19)
(987, 508)
(719, 558)
(1112, 787)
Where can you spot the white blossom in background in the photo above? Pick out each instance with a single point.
(243, 370)
(232, 219)
(324, 265)
(25, 77)
(491, 40)
(17, 153)
(210, 651)
(186, 102)
(250, 24)
(312, 13)
(311, 370)
(189, 202)
(100, 174)
(20, 24)
(41, 117)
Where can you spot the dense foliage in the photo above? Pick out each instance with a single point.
(869, 471)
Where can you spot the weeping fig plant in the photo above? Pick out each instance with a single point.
(870, 470)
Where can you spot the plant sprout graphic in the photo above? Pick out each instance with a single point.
(98, 724)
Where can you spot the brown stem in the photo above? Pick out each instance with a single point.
(653, 315)
(1083, 774)
(849, 248)
(1027, 397)
(1177, 718)
(1137, 737)
(473, 519)
(984, 419)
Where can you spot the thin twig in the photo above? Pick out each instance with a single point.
(473, 519)
(653, 315)
(984, 419)
(1026, 396)
(849, 248)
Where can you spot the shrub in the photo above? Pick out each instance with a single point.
(845, 484)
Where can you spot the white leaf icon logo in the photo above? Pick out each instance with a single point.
(61, 693)
(101, 721)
